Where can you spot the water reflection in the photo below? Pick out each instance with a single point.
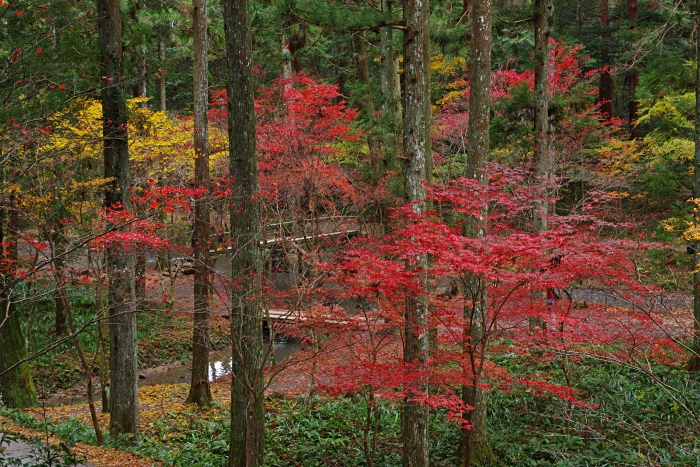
(220, 363)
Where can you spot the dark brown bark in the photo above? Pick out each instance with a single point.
(161, 74)
(605, 91)
(633, 75)
(247, 421)
(122, 319)
(417, 159)
(543, 155)
(390, 82)
(695, 358)
(391, 103)
(375, 151)
(200, 392)
(475, 445)
(16, 385)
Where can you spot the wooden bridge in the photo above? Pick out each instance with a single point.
(293, 240)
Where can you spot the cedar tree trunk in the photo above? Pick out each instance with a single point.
(122, 329)
(417, 158)
(633, 74)
(200, 393)
(247, 422)
(543, 156)
(161, 73)
(368, 104)
(391, 87)
(475, 445)
(605, 91)
(695, 359)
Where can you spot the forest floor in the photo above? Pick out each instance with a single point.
(671, 315)
(31, 449)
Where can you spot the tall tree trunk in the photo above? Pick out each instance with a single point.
(142, 72)
(124, 419)
(392, 117)
(417, 157)
(161, 73)
(633, 74)
(475, 446)
(368, 104)
(16, 385)
(543, 155)
(391, 87)
(287, 57)
(247, 421)
(605, 91)
(695, 358)
(199, 387)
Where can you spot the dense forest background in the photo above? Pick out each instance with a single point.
(456, 233)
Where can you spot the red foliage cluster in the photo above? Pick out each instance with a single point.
(526, 274)
(301, 127)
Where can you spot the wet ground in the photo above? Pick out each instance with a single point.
(20, 453)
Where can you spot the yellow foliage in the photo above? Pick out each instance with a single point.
(451, 96)
(445, 66)
(692, 230)
(619, 156)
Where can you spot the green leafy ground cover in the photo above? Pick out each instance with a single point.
(162, 339)
(634, 420)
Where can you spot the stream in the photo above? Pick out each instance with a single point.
(220, 363)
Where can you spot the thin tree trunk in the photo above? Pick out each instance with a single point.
(199, 387)
(61, 325)
(392, 117)
(475, 440)
(122, 329)
(417, 158)
(57, 238)
(103, 347)
(87, 368)
(368, 105)
(140, 279)
(287, 57)
(143, 79)
(161, 74)
(16, 385)
(695, 358)
(247, 421)
(391, 88)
